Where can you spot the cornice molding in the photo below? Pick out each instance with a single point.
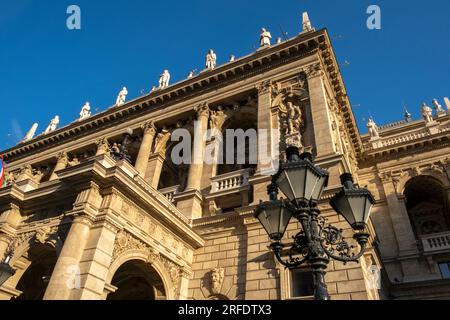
(256, 63)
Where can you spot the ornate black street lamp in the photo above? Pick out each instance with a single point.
(6, 271)
(303, 183)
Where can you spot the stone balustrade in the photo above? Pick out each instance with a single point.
(230, 181)
(436, 242)
(170, 192)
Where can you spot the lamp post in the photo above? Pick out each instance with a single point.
(303, 183)
(122, 152)
(6, 271)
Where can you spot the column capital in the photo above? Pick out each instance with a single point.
(62, 157)
(149, 128)
(313, 70)
(264, 87)
(202, 110)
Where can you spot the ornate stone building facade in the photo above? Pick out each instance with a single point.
(81, 222)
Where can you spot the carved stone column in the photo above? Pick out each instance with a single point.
(154, 169)
(97, 255)
(267, 144)
(63, 281)
(320, 111)
(267, 155)
(198, 152)
(60, 165)
(404, 233)
(146, 147)
(189, 202)
(156, 161)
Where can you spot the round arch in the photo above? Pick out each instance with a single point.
(406, 178)
(34, 263)
(143, 256)
(427, 204)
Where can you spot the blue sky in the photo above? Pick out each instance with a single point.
(46, 69)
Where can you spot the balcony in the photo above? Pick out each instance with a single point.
(230, 182)
(170, 192)
(229, 191)
(436, 242)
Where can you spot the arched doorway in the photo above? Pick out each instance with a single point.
(34, 281)
(427, 205)
(137, 280)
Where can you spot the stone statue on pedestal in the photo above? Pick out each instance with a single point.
(122, 96)
(373, 129)
(294, 118)
(306, 23)
(266, 38)
(427, 113)
(293, 135)
(447, 103)
(440, 112)
(211, 60)
(53, 125)
(164, 79)
(85, 111)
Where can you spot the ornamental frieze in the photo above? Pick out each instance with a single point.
(154, 230)
(397, 176)
(48, 235)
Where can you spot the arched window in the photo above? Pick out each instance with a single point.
(427, 205)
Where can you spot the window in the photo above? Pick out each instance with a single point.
(445, 270)
(302, 283)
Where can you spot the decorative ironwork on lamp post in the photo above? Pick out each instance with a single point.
(303, 183)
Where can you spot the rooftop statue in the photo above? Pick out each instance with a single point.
(211, 60)
(306, 23)
(31, 133)
(447, 103)
(439, 110)
(427, 113)
(85, 111)
(122, 96)
(265, 38)
(373, 129)
(53, 125)
(164, 79)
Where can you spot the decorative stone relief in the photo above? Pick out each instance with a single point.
(102, 146)
(54, 236)
(161, 141)
(264, 87)
(314, 70)
(217, 119)
(125, 241)
(217, 277)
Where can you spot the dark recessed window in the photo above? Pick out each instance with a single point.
(445, 270)
(302, 283)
